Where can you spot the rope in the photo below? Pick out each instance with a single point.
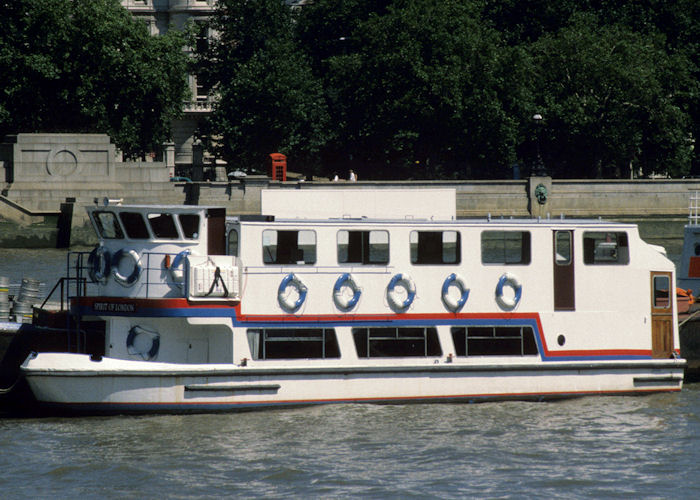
(217, 278)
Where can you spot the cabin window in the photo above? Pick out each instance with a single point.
(661, 292)
(505, 247)
(107, 225)
(562, 251)
(289, 247)
(190, 225)
(163, 226)
(435, 247)
(494, 341)
(134, 225)
(396, 342)
(233, 242)
(605, 248)
(363, 247)
(293, 343)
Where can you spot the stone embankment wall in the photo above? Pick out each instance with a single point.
(41, 172)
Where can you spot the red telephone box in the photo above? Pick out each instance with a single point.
(278, 167)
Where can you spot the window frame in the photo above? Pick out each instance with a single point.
(525, 247)
(621, 243)
(420, 260)
(366, 335)
(328, 339)
(298, 247)
(365, 246)
(462, 348)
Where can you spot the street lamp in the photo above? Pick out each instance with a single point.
(539, 166)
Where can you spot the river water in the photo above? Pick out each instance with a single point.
(594, 447)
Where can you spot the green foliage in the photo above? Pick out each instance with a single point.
(268, 99)
(447, 89)
(418, 95)
(89, 66)
(609, 98)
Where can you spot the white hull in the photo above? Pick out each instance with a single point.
(206, 313)
(76, 383)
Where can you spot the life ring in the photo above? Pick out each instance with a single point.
(392, 295)
(452, 304)
(341, 301)
(508, 303)
(283, 297)
(126, 253)
(177, 268)
(99, 264)
(138, 335)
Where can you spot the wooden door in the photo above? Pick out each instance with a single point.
(662, 299)
(563, 257)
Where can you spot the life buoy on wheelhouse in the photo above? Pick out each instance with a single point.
(99, 264)
(452, 304)
(177, 268)
(342, 301)
(126, 253)
(509, 303)
(393, 295)
(285, 300)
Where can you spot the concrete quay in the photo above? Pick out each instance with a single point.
(50, 178)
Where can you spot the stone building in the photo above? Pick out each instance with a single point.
(161, 15)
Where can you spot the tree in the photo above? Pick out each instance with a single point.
(89, 66)
(610, 97)
(267, 99)
(420, 89)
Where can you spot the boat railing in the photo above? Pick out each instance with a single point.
(151, 283)
(63, 283)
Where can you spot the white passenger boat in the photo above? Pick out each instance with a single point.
(349, 296)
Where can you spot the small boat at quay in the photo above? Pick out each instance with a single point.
(360, 296)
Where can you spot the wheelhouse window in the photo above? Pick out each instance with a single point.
(107, 225)
(494, 341)
(190, 225)
(289, 247)
(363, 247)
(505, 247)
(396, 342)
(606, 248)
(293, 343)
(435, 247)
(163, 226)
(232, 243)
(134, 225)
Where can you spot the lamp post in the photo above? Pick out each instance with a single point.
(540, 171)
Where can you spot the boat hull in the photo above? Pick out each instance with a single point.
(75, 383)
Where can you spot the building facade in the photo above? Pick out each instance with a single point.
(160, 16)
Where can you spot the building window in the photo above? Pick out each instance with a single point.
(134, 225)
(435, 247)
(293, 343)
(494, 341)
(289, 247)
(396, 342)
(605, 248)
(505, 247)
(363, 247)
